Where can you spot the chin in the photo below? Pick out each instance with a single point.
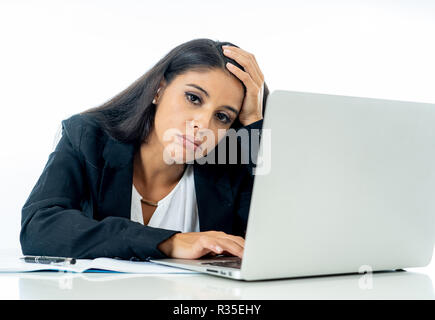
(179, 155)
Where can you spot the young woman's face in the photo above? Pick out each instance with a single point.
(203, 117)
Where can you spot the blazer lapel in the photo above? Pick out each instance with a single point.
(214, 198)
(116, 181)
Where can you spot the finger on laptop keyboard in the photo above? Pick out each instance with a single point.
(221, 234)
(230, 246)
(240, 241)
(211, 254)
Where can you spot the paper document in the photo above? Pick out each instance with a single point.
(14, 264)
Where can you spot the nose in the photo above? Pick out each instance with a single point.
(199, 121)
(197, 125)
(194, 126)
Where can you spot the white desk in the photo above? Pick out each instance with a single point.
(411, 284)
(60, 285)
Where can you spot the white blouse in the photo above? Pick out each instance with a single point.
(177, 211)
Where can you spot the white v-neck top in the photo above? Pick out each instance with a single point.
(177, 211)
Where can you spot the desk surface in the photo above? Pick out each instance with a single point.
(415, 283)
(60, 285)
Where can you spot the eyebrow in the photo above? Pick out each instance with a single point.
(208, 96)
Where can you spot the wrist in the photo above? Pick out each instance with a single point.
(167, 245)
(247, 121)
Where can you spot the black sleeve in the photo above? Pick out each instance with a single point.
(243, 198)
(53, 224)
(251, 149)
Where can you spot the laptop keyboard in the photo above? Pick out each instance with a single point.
(228, 264)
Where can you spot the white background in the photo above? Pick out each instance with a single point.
(58, 58)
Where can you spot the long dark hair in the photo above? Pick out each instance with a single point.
(129, 116)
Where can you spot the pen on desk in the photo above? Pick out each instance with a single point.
(48, 260)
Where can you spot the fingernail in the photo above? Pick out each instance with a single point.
(218, 249)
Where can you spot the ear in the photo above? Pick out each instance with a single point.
(160, 90)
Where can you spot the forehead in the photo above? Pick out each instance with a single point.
(219, 84)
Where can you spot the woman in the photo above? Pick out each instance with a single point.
(121, 182)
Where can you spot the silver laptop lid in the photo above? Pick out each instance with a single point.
(351, 186)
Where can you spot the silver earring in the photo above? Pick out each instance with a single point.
(154, 100)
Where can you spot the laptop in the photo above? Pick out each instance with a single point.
(343, 185)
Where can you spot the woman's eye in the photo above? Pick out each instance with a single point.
(223, 117)
(190, 95)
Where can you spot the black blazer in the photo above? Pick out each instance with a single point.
(80, 205)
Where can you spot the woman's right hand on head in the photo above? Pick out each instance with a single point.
(193, 245)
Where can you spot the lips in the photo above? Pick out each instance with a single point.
(192, 141)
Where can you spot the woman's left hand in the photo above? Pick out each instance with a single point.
(252, 108)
